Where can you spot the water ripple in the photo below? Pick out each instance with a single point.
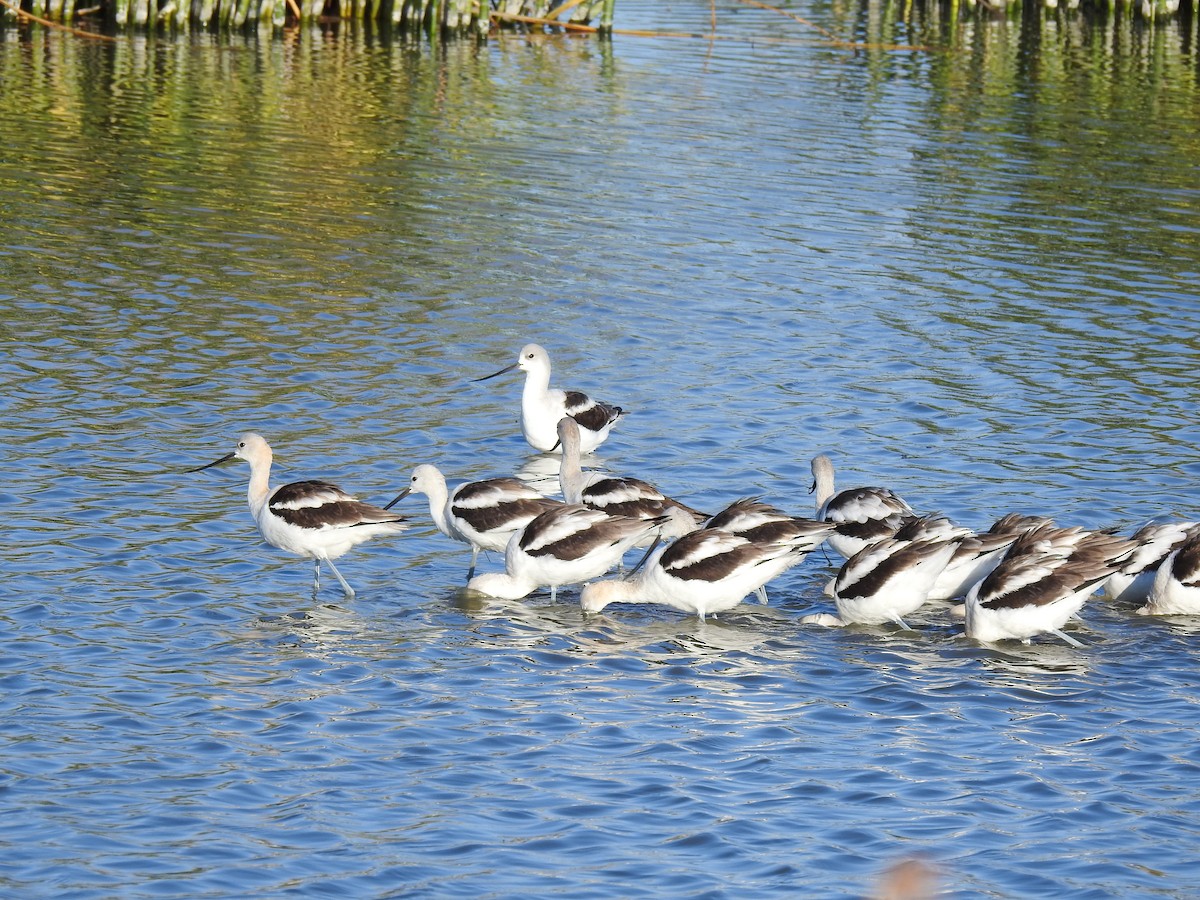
(764, 250)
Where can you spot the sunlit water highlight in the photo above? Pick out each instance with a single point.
(964, 278)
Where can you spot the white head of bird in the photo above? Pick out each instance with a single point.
(533, 360)
(254, 449)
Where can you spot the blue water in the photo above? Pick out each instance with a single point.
(966, 276)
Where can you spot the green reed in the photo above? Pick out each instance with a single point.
(445, 18)
(433, 17)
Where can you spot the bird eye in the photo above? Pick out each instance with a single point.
(241, 445)
(529, 356)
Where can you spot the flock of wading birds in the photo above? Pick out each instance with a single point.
(1022, 577)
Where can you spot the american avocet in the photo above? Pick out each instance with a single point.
(703, 572)
(979, 554)
(542, 406)
(891, 578)
(1176, 588)
(761, 522)
(1044, 579)
(565, 545)
(1154, 542)
(862, 515)
(484, 514)
(619, 496)
(309, 518)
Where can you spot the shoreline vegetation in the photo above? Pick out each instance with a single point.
(445, 18)
(478, 18)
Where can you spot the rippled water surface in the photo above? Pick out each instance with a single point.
(967, 271)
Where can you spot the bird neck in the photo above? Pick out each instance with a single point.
(439, 503)
(260, 487)
(570, 473)
(823, 481)
(537, 383)
(598, 594)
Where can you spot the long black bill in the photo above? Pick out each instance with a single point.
(216, 462)
(813, 489)
(404, 493)
(494, 374)
(641, 562)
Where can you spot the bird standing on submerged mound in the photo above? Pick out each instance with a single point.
(484, 514)
(542, 406)
(703, 572)
(1176, 588)
(619, 496)
(862, 515)
(565, 545)
(309, 518)
(1044, 579)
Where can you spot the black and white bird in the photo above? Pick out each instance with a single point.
(1044, 579)
(309, 518)
(483, 514)
(566, 545)
(1176, 587)
(862, 515)
(760, 522)
(542, 406)
(701, 573)
(619, 496)
(1154, 542)
(893, 577)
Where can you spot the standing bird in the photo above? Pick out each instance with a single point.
(484, 514)
(887, 580)
(308, 518)
(565, 545)
(619, 496)
(706, 571)
(761, 522)
(542, 406)
(862, 515)
(1044, 579)
(1176, 588)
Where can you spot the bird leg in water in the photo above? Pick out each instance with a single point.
(342, 581)
(1066, 637)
